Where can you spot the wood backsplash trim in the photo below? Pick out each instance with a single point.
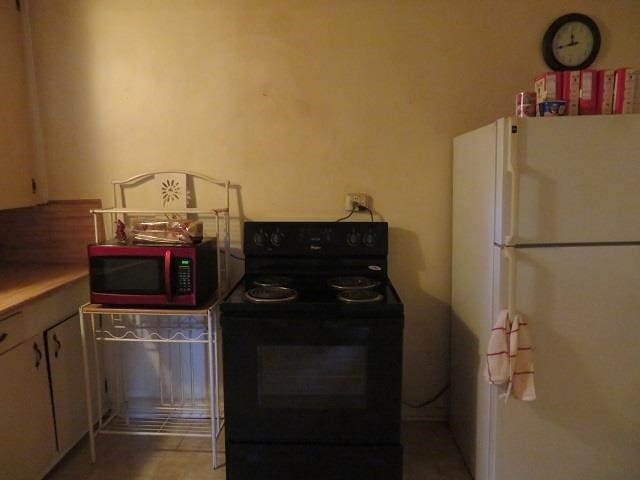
(56, 232)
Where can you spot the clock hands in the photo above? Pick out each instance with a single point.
(570, 44)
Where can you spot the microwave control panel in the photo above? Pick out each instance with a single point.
(184, 276)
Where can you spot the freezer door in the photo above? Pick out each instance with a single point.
(576, 179)
(583, 310)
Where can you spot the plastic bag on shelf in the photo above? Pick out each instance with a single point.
(174, 231)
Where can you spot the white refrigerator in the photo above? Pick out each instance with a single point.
(546, 221)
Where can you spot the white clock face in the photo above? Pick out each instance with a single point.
(573, 43)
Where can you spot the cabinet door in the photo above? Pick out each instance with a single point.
(16, 152)
(64, 347)
(27, 437)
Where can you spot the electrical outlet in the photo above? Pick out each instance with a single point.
(357, 201)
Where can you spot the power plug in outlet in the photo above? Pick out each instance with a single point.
(357, 202)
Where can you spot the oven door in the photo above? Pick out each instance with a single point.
(312, 379)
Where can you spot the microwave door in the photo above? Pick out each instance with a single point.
(127, 276)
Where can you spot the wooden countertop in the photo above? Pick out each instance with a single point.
(57, 230)
(22, 283)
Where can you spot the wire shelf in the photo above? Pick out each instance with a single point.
(132, 336)
(171, 357)
(171, 421)
(147, 326)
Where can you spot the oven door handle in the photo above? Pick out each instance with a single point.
(330, 332)
(332, 324)
(338, 332)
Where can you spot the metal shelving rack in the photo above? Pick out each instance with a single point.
(182, 405)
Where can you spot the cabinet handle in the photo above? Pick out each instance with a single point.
(58, 345)
(3, 336)
(38, 354)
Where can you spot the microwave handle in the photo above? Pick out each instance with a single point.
(167, 274)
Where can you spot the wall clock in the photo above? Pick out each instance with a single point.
(571, 42)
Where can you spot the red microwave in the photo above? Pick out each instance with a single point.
(153, 275)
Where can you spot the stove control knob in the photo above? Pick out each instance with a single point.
(276, 239)
(369, 239)
(259, 239)
(353, 238)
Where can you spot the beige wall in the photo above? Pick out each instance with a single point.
(299, 102)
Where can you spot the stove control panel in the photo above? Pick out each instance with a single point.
(316, 238)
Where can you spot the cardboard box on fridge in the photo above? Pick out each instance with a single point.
(604, 95)
(626, 91)
(571, 90)
(548, 86)
(588, 92)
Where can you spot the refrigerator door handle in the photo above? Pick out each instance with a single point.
(510, 254)
(512, 168)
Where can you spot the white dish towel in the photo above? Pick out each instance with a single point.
(510, 357)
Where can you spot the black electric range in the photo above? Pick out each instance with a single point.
(312, 355)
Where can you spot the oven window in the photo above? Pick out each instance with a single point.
(127, 275)
(312, 376)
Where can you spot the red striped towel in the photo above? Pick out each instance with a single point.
(510, 357)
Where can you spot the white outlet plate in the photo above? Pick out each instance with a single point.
(361, 199)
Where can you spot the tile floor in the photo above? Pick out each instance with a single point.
(429, 454)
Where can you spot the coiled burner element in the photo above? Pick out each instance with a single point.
(360, 296)
(354, 282)
(275, 294)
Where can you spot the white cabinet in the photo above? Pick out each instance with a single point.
(42, 396)
(16, 149)
(27, 436)
(64, 348)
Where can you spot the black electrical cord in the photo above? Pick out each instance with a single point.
(430, 401)
(368, 210)
(353, 210)
(356, 208)
(232, 255)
